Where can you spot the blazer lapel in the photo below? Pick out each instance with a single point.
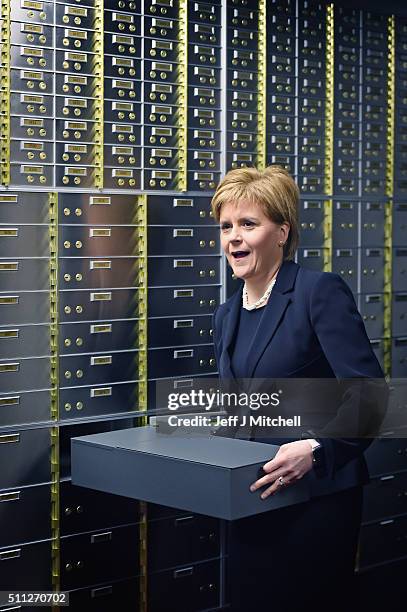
(229, 324)
(272, 315)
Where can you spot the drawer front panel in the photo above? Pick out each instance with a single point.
(25, 458)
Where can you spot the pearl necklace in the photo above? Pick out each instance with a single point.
(261, 301)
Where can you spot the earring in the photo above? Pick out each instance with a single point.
(280, 243)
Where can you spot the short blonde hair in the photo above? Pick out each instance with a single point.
(273, 189)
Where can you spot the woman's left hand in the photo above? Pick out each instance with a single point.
(291, 462)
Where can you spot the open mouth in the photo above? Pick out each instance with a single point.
(240, 254)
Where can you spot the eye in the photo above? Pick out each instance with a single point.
(225, 226)
(248, 223)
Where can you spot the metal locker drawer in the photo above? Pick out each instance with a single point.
(204, 12)
(282, 104)
(311, 258)
(181, 361)
(373, 222)
(311, 87)
(310, 145)
(245, 80)
(122, 595)
(29, 33)
(168, 28)
(85, 208)
(399, 358)
(374, 187)
(161, 8)
(122, 134)
(204, 96)
(88, 337)
(24, 174)
(33, 105)
(203, 161)
(27, 567)
(399, 224)
(204, 34)
(311, 165)
(76, 62)
(311, 185)
(24, 240)
(98, 273)
(172, 331)
(203, 75)
(97, 369)
(24, 274)
(32, 127)
(158, 390)
(188, 539)
(75, 17)
(183, 241)
(371, 308)
(84, 509)
(281, 124)
(24, 307)
(387, 455)
(124, 89)
(24, 512)
(399, 269)
(75, 108)
(378, 349)
(346, 186)
(345, 263)
(131, 6)
(120, 22)
(185, 301)
(72, 39)
(372, 270)
(345, 224)
(31, 81)
(24, 341)
(311, 223)
(87, 241)
(183, 271)
(97, 305)
(25, 457)
(347, 150)
(383, 541)
(161, 49)
(66, 432)
(75, 131)
(31, 151)
(123, 44)
(32, 12)
(242, 39)
(24, 408)
(31, 57)
(161, 179)
(94, 558)
(75, 154)
(385, 496)
(283, 84)
(119, 155)
(281, 144)
(121, 67)
(206, 181)
(205, 139)
(197, 585)
(106, 399)
(160, 157)
(25, 374)
(125, 178)
(74, 175)
(311, 126)
(399, 314)
(161, 72)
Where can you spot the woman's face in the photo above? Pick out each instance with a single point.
(250, 240)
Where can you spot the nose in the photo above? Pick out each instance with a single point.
(234, 235)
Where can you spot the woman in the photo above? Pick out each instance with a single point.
(288, 321)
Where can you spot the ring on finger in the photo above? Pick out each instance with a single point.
(281, 482)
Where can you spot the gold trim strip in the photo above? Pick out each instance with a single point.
(329, 105)
(5, 37)
(99, 107)
(55, 509)
(142, 378)
(262, 86)
(328, 235)
(183, 95)
(53, 279)
(388, 225)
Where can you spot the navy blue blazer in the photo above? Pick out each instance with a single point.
(311, 329)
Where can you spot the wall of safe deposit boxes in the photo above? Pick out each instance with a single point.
(117, 120)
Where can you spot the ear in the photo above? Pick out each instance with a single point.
(284, 231)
